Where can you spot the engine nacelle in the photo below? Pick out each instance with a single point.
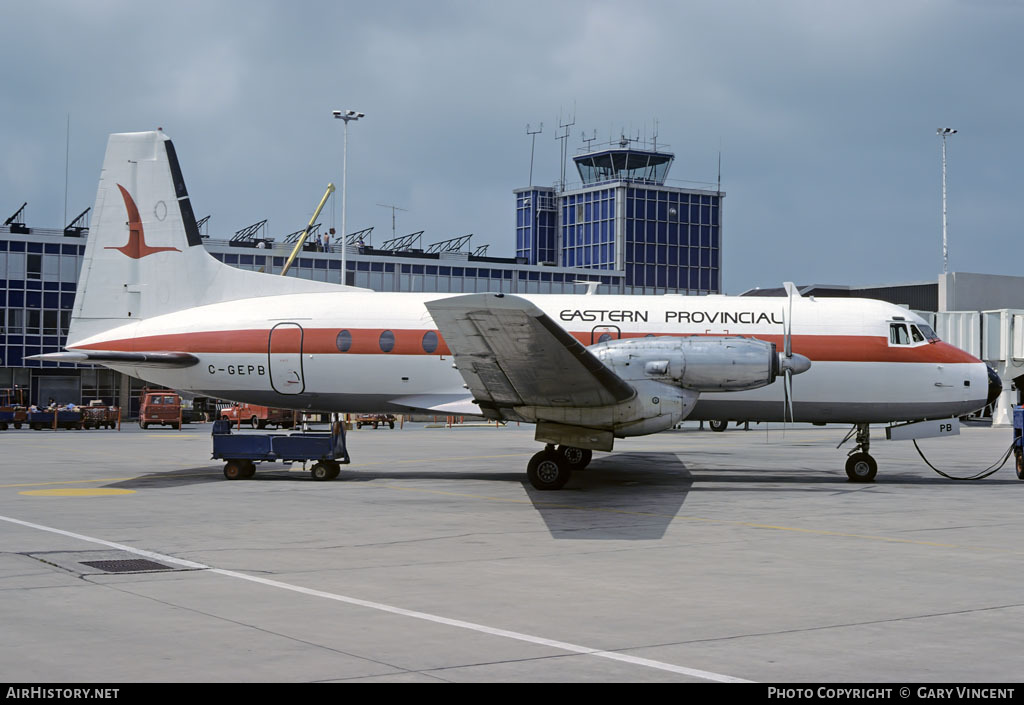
(655, 407)
(700, 364)
(668, 375)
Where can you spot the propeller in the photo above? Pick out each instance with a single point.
(790, 363)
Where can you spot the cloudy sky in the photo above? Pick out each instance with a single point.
(824, 113)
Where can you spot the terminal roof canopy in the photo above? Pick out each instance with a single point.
(626, 164)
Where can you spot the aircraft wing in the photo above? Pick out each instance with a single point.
(510, 353)
(117, 357)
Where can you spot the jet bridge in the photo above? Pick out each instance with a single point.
(995, 336)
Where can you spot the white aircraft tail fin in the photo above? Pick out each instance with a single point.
(145, 257)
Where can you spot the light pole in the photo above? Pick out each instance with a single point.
(944, 132)
(345, 115)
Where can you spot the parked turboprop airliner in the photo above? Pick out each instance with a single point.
(153, 303)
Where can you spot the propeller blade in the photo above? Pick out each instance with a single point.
(787, 323)
(789, 395)
(790, 364)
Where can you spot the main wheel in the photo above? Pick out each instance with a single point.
(576, 458)
(861, 467)
(548, 470)
(718, 426)
(234, 469)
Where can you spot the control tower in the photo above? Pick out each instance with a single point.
(623, 215)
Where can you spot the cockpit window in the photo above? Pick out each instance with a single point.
(907, 333)
(898, 334)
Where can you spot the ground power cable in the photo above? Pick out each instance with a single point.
(981, 474)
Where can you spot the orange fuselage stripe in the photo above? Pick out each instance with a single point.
(366, 341)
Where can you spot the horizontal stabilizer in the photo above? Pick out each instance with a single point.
(116, 357)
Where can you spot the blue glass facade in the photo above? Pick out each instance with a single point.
(536, 225)
(624, 218)
(37, 293)
(588, 229)
(673, 240)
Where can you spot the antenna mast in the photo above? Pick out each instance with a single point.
(533, 137)
(565, 139)
(590, 139)
(393, 209)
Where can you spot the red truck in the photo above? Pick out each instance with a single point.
(159, 406)
(257, 416)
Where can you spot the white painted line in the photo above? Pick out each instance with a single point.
(483, 629)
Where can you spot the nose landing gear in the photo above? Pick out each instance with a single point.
(860, 466)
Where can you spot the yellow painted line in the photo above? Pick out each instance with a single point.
(69, 492)
(69, 482)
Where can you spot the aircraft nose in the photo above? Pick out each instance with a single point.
(995, 386)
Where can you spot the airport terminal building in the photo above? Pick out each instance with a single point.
(622, 230)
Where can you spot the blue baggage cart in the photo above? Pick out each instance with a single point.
(65, 418)
(241, 452)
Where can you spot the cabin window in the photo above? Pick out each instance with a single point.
(430, 341)
(343, 341)
(387, 341)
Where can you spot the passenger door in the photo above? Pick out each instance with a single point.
(284, 353)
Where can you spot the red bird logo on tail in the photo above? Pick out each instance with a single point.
(136, 247)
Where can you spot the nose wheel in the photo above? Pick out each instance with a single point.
(860, 466)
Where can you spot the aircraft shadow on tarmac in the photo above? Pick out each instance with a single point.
(623, 496)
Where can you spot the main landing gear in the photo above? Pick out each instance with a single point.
(860, 466)
(551, 468)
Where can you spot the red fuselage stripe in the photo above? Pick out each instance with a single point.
(367, 341)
